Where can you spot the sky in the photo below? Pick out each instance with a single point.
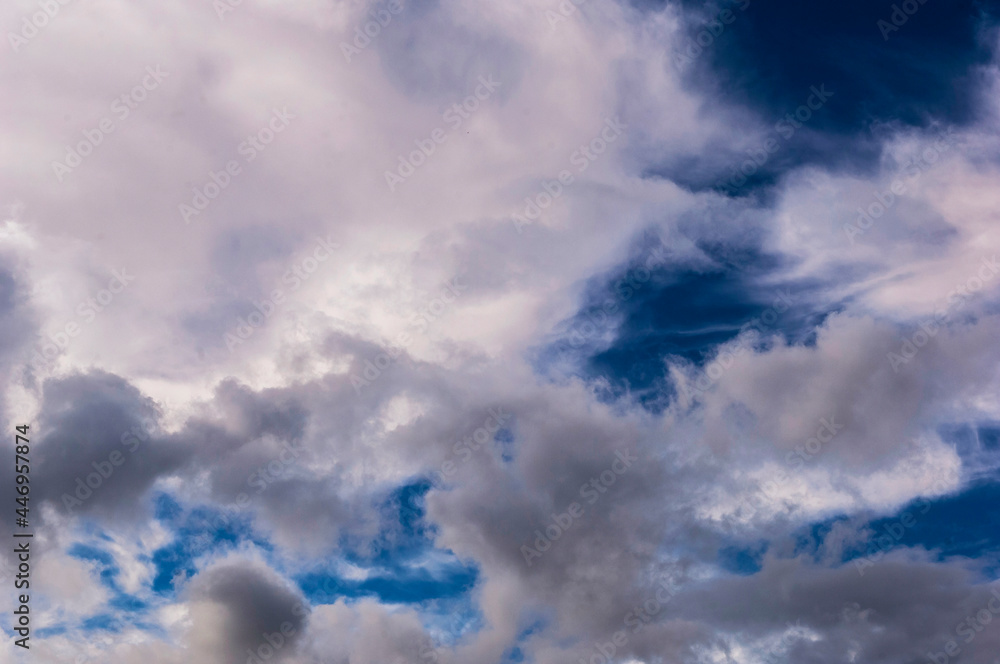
(529, 332)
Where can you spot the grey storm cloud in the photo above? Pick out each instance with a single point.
(100, 447)
(242, 611)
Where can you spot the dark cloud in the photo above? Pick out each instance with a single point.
(90, 421)
(258, 612)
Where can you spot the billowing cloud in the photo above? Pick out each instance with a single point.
(444, 332)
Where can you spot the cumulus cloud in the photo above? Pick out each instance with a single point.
(447, 331)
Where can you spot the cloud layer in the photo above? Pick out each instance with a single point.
(540, 332)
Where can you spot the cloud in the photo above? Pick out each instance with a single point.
(733, 351)
(239, 607)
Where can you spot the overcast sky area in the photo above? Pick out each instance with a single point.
(515, 332)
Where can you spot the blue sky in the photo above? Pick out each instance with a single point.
(446, 331)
